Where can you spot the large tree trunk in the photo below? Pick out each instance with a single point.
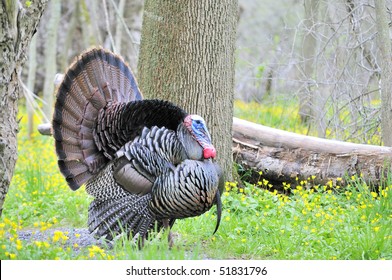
(18, 25)
(384, 42)
(187, 57)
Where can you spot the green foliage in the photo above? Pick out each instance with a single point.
(282, 114)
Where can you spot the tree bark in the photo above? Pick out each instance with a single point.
(384, 42)
(18, 26)
(187, 57)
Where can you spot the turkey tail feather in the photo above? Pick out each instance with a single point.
(97, 77)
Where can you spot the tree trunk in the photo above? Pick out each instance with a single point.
(119, 26)
(89, 21)
(18, 26)
(187, 57)
(68, 46)
(30, 85)
(384, 42)
(50, 57)
(308, 53)
(133, 17)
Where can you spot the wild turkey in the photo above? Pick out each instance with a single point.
(145, 162)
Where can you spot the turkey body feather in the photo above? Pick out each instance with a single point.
(145, 162)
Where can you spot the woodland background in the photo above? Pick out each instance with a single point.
(313, 67)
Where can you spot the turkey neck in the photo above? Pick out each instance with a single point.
(119, 123)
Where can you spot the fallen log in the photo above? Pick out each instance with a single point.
(280, 156)
(283, 156)
(45, 129)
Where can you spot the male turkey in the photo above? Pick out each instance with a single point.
(145, 162)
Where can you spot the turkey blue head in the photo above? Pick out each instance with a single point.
(197, 128)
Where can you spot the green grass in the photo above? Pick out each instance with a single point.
(321, 222)
(282, 114)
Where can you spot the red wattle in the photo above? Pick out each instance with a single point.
(209, 152)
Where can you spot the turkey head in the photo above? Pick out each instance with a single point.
(196, 139)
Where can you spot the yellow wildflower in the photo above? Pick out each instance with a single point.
(96, 250)
(10, 255)
(18, 245)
